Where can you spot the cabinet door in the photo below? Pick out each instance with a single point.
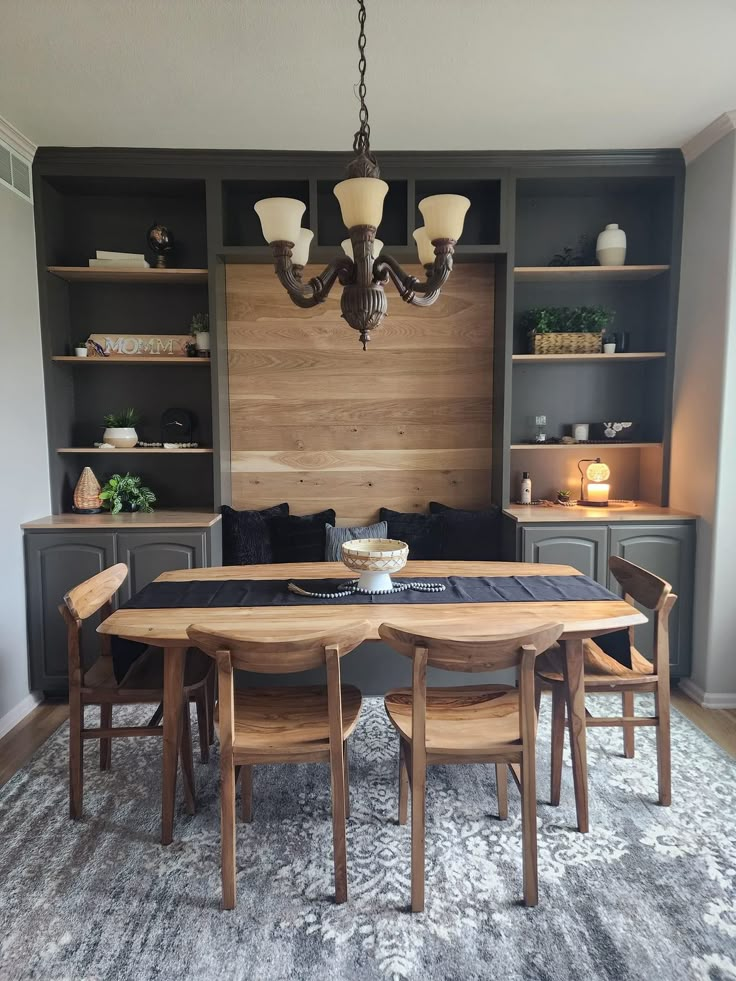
(667, 551)
(147, 554)
(54, 563)
(584, 547)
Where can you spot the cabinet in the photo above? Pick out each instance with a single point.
(148, 554)
(584, 548)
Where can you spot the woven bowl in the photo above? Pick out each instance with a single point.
(375, 559)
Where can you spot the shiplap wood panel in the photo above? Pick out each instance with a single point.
(317, 422)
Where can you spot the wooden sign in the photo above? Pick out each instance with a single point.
(139, 345)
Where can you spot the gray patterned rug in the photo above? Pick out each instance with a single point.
(650, 893)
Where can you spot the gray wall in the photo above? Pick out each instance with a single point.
(703, 472)
(24, 487)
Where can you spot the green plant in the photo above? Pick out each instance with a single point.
(124, 419)
(200, 323)
(82, 343)
(563, 495)
(561, 320)
(126, 494)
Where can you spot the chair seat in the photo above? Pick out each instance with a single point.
(289, 721)
(147, 672)
(469, 719)
(600, 668)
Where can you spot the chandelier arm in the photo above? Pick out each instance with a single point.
(411, 289)
(317, 289)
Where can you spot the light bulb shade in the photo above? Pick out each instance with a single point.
(281, 218)
(300, 252)
(424, 246)
(597, 473)
(361, 200)
(444, 215)
(347, 247)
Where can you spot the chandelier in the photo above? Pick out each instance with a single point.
(363, 270)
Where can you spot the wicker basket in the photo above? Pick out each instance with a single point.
(565, 343)
(87, 493)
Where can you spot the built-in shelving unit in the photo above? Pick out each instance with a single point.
(588, 358)
(581, 447)
(146, 450)
(129, 360)
(586, 274)
(151, 277)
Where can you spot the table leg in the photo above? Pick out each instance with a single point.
(575, 693)
(174, 661)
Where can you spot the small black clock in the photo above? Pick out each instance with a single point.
(176, 426)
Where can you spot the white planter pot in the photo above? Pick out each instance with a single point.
(610, 248)
(202, 340)
(122, 437)
(80, 352)
(609, 348)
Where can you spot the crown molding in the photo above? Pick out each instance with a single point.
(16, 141)
(708, 137)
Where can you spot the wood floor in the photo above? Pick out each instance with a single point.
(22, 742)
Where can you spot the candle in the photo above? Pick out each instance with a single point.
(598, 493)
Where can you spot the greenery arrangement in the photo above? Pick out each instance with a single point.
(200, 323)
(584, 255)
(124, 419)
(126, 494)
(566, 320)
(563, 496)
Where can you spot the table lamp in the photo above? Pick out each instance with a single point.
(598, 489)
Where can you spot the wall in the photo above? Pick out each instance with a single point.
(24, 489)
(703, 471)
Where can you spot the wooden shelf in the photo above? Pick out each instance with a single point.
(581, 274)
(611, 445)
(129, 359)
(588, 358)
(95, 274)
(135, 449)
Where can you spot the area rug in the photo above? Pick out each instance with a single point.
(649, 893)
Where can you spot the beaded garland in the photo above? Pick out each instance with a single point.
(352, 587)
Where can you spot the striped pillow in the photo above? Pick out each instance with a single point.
(335, 537)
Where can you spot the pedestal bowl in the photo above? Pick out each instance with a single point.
(375, 559)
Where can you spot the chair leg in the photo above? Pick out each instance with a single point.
(558, 741)
(201, 700)
(76, 754)
(211, 696)
(529, 829)
(227, 831)
(627, 705)
(246, 792)
(403, 783)
(346, 767)
(537, 695)
(418, 806)
(339, 845)
(187, 764)
(664, 762)
(106, 743)
(502, 790)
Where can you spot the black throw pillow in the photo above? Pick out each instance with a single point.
(300, 538)
(246, 535)
(421, 532)
(469, 536)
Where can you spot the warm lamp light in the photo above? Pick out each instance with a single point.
(300, 252)
(444, 215)
(598, 489)
(424, 246)
(347, 247)
(281, 218)
(361, 200)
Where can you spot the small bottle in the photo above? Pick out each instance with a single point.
(540, 427)
(526, 488)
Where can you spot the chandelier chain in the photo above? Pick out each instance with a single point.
(361, 143)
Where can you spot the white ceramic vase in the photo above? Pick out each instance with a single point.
(122, 437)
(80, 352)
(202, 340)
(611, 246)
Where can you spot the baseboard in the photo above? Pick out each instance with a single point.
(17, 714)
(709, 700)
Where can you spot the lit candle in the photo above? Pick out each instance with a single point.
(598, 493)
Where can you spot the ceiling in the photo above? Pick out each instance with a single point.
(442, 74)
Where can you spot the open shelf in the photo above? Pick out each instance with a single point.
(588, 358)
(129, 359)
(147, 450)
(95, 274)
(573, 274)
(611, 445)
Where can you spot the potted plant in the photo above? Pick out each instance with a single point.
(120, 429)
(563, 496)
(200, 328)
(565, 330)
(126, 494)
(80, 349)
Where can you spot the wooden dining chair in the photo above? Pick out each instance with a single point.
(95, 684)
(282, 725)
(470, 724)
(604, 675)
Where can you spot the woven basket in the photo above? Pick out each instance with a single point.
(565, 343)
(87, 492)
(375, 554)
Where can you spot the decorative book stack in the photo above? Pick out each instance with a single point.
(119, 260)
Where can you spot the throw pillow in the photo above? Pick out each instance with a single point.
(246, 537)
(300, 538)
(468, 536)
(421, 532)
(335, 537)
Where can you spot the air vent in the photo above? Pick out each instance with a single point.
(15, 172)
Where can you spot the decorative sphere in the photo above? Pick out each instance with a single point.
(598, 473)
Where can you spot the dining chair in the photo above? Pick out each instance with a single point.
(469, 724)
(297, 724)
(604, 675)
(95, 684)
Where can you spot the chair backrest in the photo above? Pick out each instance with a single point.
(276, 656)
(92, 594)
(653, 594)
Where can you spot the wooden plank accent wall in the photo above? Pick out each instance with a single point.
(319, 423)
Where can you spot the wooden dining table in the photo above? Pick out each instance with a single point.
(167, 629)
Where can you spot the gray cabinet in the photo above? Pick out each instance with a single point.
(148, 554)
(584, 547)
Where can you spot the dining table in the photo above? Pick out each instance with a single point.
(166, 628)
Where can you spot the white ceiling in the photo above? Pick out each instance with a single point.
(443, 74)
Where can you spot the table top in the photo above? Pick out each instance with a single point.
(168, 627)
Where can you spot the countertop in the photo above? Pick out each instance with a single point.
(540, 514)
(125, 522)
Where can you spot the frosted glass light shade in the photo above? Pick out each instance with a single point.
(281, 218)
(444, 215)
(300, 252)
(347, 247)
(361, 200)
(597, 473)
(424, 246)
